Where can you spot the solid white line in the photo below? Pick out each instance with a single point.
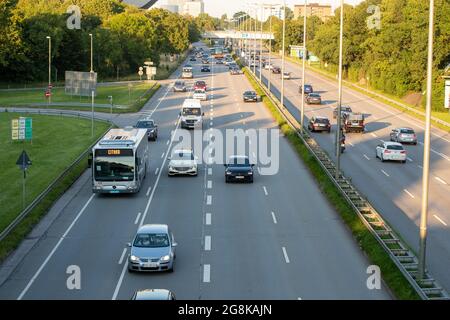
(156, 171)
(374, 135)
(207, 243)
(265, 191)
(440, 180)
(208, 219)
(137, 218)
(440, 220)
(285, 255)
(162, 156)
(123, 255)
(385, 173)
(351, 144)
(54, 249)
(209, 186)
(148, 191)
(209, 171)
(365, 156)
(167, 143)
(274, 218)
(119, 283)
(409, 193)
(209, 200)
(206, 273)
(420, 166)
(409, 159)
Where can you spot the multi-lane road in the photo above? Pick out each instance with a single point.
(277, 238)
(394, 189)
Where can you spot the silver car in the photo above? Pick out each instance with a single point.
(153, 294)
(153, 249)
(404, 135)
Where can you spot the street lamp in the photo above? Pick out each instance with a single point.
(338, 133)
(92, 53)
(426, 153)
(49, 67)
(261, 44)
(302, 110)
(282, 53)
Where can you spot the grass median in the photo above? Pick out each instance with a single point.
(57, 142)
(392, 276)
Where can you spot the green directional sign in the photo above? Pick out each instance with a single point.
(22, 129)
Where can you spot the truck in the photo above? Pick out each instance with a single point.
(119, 161)
(191, 115)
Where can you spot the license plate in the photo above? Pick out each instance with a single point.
(239, 177)
(114, 191)
(151, 265)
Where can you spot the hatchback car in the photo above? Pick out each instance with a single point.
(149, 124)
(200, 95)
(205, 69)
(179, 86)
(182, 162)
(153, 249)
(250, 96)
(287, 76)
(308, 89)
(319, 124)
(153, 294)
(393, 151)
(200, 85)
(345, 110)
(239, 168)
(313, 98)
(404, 135)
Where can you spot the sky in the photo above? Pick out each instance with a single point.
(218, 7)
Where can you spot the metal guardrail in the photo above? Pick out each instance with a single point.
(401, 255)
(57, 180)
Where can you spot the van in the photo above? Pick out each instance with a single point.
(191, 114)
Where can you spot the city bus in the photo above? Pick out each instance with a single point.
(119, 161)
(187, 72)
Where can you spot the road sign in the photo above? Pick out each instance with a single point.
(24, 161)
(447, 94)
(48, 94)
(50, 86)
(22, 129)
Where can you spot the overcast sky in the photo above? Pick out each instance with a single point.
(218, 7)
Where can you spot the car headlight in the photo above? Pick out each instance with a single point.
(170, 168)
(228, 172)
(165, 258)
(134, 259)
(250, 172)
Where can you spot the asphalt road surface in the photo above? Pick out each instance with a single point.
(277, 238)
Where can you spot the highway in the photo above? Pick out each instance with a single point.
(394, 189)
(277, 238)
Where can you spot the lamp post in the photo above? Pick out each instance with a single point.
(302, 109)
(338, 133)
(49, 67)
(282, 53)
(426, 153)
(270, 49)
(261, 44)
(92, 53)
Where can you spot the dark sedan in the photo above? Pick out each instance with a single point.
(319, 124)
(239, 168)
(152, 128)
(276, 70)
(313, 98)
(250, 96)
(308, 89)
(205, 69)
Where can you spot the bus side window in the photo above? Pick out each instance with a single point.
(90, 160)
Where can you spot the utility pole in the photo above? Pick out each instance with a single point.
(338, 133)
(270, 49)
(261, 44)
(92, 118)
(426, 153)
(92, 52)
(282, 54)
(302, 110)
(49, 67)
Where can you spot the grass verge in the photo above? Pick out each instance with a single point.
(392, 276)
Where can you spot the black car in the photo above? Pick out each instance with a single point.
(205, 69)
(276, 70)
(313, 98)
(308, 89)
(239, 168)
(250, 96)
(152, 128)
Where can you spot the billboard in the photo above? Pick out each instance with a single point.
(80, 83)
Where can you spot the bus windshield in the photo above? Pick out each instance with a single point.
(114, 169)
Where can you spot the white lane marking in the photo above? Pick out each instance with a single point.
(148, 191)
(167, 143)
(38, 272)
(274, 218)
(211, 123)
(137, 218)
(420, 166)
(440, 180)
(208, 219)
(163, 154)
(209, 184)
(209, 171)
(242, 116)
(254, 155)
(374, 135)
(123, 255)
(119, 283)
(385, 173)
(440, 220)
(409, 193)
(286, 258)
(351, 144)
(209, 200)
(365, 156)
(265, 191)
(409, 159)
(156, 171)
(206, 273)
(207, 243)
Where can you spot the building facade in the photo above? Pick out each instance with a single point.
(323, 11)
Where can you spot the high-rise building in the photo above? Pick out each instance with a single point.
(323, 11)
(193, 7)
(142, 4)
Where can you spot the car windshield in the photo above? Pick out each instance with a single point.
(145, 124)
(249, 93)
(182, 156)
(321, 120)
(179, 84)
(151, 240)
(239, 162)
(314, 95)
(407, 131)
(199, 83)
(191, 111)
(394, 147)
(114, 169)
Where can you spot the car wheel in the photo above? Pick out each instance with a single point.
(251, 180)
(130, 270)
(382, 158)
(171, 269)
(404, 161)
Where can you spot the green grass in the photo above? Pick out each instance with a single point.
(392, 276)
(57, 142)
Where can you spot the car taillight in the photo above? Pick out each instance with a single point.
(387, 151)
(403, 152)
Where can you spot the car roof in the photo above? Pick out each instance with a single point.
(405, 128)
(390, 143)
(322, 117)
(238, 157)
(146, 119)
(153, 294)
(153, 228)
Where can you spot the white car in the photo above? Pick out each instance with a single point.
(393, 151)
(200, 95)
(183, 162)
(268, 66)
(287, 75)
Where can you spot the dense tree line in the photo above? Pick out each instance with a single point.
(124, 37)
(393, 57)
